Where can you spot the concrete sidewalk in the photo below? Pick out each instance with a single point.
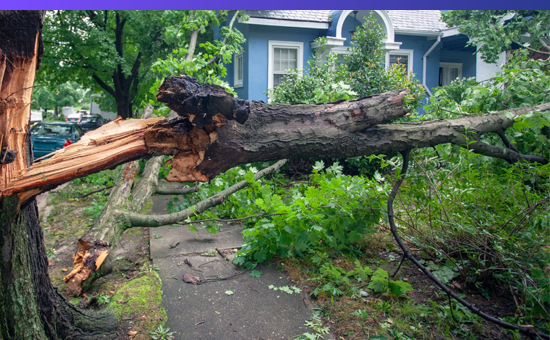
(228, 303)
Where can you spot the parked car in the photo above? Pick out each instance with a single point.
(50, 136)
(91, 122)
(74, 117)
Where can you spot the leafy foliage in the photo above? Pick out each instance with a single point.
(473, 219)
(496, 31)
(206, 65)
(324, 82)
(334, 210)
(522, 82)
(93, 48)
(68, 94)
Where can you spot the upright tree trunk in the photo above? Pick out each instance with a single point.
(123, 105)
(30, 307)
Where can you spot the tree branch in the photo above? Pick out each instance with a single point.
(176, 191)
(230, 219)
(140, 220)
(447, 290)
(218, 139)
(530, 48)
(214, 58)
(103, 85)
(505, 140)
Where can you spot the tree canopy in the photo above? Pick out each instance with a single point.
(497, 31)
(67, 94)
(112, 52)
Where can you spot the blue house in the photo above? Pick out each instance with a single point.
(278, 40)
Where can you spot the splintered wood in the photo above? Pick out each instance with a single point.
(15, 98)
(114, 143)
(88, 258)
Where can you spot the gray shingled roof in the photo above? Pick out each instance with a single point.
(295, 15)
(405, 20)
(418, 20)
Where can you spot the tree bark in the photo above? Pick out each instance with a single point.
(30, 308)
(216, 132)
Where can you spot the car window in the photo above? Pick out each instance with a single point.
(52, 130)
(78, 132)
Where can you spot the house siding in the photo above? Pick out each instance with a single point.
(421, 45)
(258, 40)
(467, 59)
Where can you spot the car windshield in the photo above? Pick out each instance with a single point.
(89, 119)
(51, 129)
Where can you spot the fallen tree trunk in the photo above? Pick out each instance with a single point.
(206, 144)
(216, 132)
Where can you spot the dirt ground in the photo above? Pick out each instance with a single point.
(65, 218)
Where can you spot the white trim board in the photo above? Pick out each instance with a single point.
(285, 23)
(236, 82)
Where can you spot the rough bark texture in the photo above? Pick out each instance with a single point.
(230, 132)
(30, 308)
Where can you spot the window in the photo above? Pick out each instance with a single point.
(238, 70)
(283, 55)
(449, 72)
(403, 57)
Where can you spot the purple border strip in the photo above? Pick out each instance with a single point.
(266, 5)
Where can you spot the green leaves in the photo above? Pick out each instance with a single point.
(256, 273)
(380, 283)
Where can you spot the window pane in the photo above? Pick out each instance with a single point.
(278, 79)
(240, 68)
(453, 73)
(292, 58)
(285, 58)
(400, 59)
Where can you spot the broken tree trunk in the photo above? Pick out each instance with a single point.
(216, 132)
(30, 307)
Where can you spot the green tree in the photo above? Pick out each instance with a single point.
(109, 51)
(45, 98)
(496, 31)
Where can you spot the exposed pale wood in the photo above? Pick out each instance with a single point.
(114, 143)
(88, 258)
(15, 109)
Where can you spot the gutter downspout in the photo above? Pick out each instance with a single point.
(424, 62)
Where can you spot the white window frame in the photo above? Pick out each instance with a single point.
(401, 52)
(237, 83)
(272, 44)
(453, 65)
